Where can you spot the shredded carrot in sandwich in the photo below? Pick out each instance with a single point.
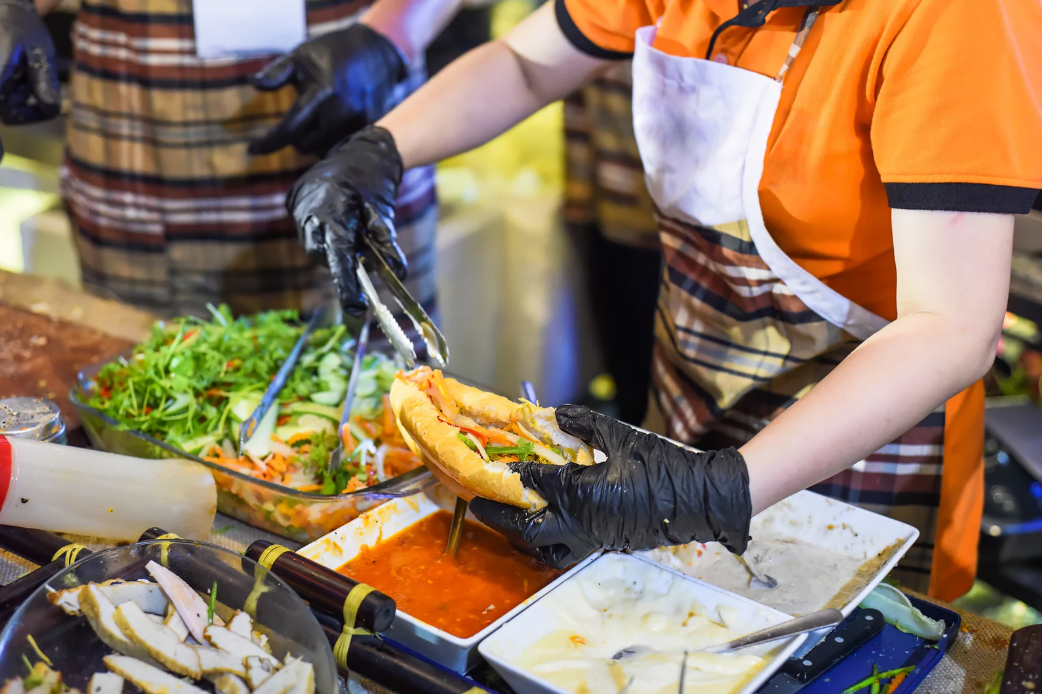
(309, 488)
(301, 436)
(388, 416)
(349, 441)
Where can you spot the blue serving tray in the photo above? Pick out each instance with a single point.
(889, 650)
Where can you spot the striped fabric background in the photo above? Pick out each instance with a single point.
(169, 209)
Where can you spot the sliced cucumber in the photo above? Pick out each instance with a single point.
(199, 444)
(305, 407)
(179, 403)
(331, 362)
(243, 405)
(329, 397)
(259, 445)
(305, 424)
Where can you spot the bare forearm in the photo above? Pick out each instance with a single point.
(488, 91)
(410, 24)
(467, 104)
(953, 281)
(886, 387)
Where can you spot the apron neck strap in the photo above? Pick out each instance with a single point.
(755, 15)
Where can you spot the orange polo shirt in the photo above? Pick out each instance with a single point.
(910, 104)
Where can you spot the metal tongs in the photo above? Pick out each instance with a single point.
(437, 348)
(272, 392)
(352, 384)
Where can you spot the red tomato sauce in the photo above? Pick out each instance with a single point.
(460, 595)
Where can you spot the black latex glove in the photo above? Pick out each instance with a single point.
(648, 493)
(344, 82)
(349, 194)
(29, 90)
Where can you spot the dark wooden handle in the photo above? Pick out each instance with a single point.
(326, 590)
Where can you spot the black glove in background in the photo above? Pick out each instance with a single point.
(344, 79)
(29, 89)
(648, 493)
(348, 195)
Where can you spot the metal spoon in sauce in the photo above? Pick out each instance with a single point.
(759, 578)
(793, 627)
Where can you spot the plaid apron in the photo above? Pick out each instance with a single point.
(741, 330)
(169, 210)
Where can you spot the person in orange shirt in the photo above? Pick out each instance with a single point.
(834, 183)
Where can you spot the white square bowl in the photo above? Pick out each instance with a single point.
(339, 547)
(805, 521)
(551, 613)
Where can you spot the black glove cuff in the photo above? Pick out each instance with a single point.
(728, 504)
(382, 139)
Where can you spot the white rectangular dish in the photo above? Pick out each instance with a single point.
(623, 601)
(339, 547)
(823, 552)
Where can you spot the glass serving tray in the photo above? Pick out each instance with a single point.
(299, 516)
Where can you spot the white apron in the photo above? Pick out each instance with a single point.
(742, 331)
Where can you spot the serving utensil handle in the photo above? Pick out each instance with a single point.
(811, 622)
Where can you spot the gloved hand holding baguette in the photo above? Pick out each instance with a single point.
(530, 473)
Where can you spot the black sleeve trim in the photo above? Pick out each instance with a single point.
(579, 40)
(960, 197)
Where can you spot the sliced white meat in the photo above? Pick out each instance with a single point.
(241, 624)
(214, 661)
(229, 684)
(148, 596)
(105, 683)
(101, 614)
(174, 623)
(220, 637)
(257, 671)
(189, 604)
(150, 679)
(305, 677)
(161, 643)
(281, 682)
(13, 686)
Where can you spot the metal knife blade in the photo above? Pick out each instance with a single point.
(437, 347)
(797, 673)
(277, 383)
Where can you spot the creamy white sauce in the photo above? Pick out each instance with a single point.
(810, 577)
(619, 603)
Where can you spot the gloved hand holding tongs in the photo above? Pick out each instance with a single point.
(344, 211)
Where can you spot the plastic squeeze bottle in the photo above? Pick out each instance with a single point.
(48, 486)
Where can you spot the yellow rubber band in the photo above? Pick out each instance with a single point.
(476, 690)
(268, 556)
(69, 552)
(169, 536)
(351, 604)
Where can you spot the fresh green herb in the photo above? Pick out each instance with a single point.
(523, 450)
(222, 531)
(181, 383)
(467, 440)
(996, 683)
(213, 603)
(875, 685)
(28, 665)
(876, 678)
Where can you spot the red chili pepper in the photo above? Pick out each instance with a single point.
(148, 408)
(106, 392)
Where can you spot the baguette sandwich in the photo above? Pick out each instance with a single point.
(467, 436)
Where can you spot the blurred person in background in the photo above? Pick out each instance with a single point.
(178, 165)
(610, 215)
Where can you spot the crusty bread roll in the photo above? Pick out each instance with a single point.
(433, 436)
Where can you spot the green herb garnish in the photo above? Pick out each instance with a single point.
(213, 603)
(523, 450)
(877, 678)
